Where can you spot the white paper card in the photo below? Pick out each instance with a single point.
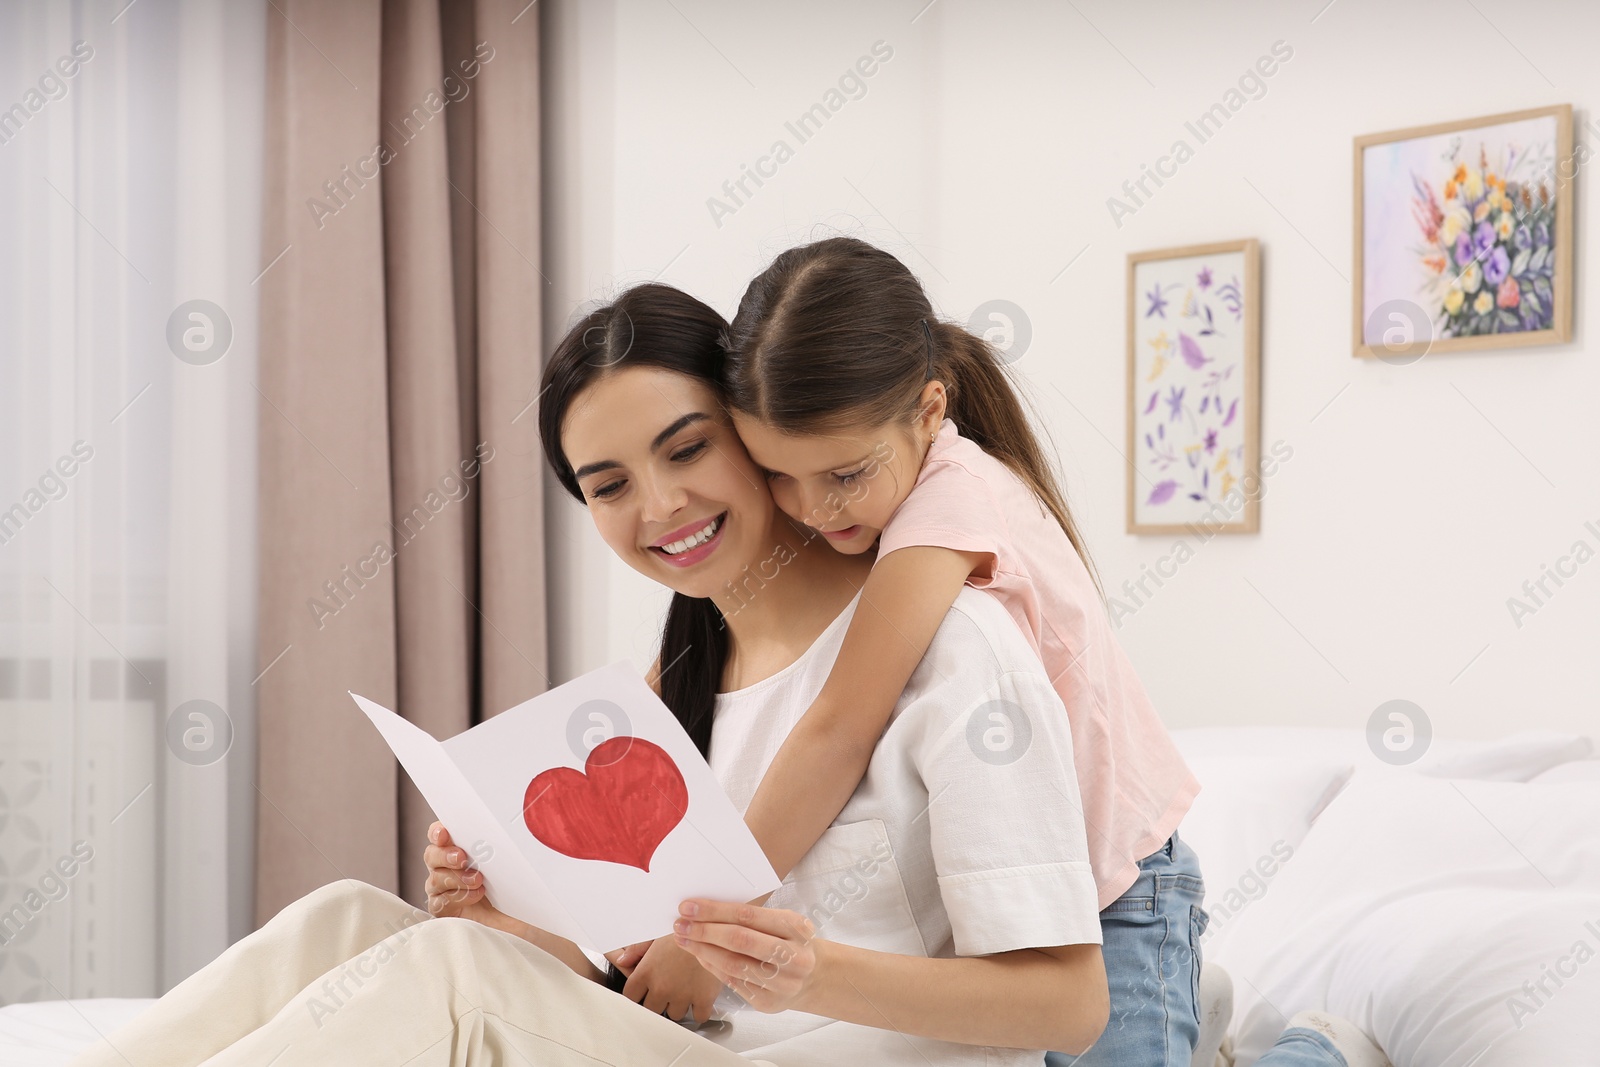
(588, 809)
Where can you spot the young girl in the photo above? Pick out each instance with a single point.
(880, 425)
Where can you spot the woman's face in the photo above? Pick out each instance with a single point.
(668, 482)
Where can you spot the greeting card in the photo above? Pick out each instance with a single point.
(588, 810)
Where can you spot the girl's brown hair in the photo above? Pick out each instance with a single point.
(839, 334)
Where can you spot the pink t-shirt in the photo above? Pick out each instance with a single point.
(1134, 784)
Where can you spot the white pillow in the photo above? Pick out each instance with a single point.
(1516, 758)
(1247, 821)
(1583, 770)
(1262, 787)
(1417, 908)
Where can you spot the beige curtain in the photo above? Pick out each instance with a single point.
(401, 518)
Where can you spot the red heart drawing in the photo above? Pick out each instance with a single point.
(619, 808)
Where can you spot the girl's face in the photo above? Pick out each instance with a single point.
(669, 485)
(844, 485)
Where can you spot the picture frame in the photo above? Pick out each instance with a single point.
(1463, 235)
(1194, 389)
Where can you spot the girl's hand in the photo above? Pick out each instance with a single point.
(766, 955)
(671, 982)
(626, 959)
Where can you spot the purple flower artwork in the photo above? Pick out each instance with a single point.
(1460, 223)
(1189, 372)
(1496, 282)
(1158, 303)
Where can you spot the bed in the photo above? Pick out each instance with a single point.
(1449, 906)
(51, 1032)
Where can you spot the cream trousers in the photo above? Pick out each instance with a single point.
(351, 975)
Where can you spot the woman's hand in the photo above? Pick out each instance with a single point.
(766, 955)
(455, 889)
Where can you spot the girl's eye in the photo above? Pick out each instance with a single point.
(771, 476)
(690, 452)
(850, 479)
(607, 490)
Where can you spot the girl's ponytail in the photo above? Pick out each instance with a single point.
(988, 410)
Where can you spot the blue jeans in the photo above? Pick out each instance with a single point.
(1299, 1046)
(1151, 945)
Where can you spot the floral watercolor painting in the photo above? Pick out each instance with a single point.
(1462, 225)
(1191, 371)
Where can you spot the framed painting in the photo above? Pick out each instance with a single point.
(1463, 235)
(1194, 430)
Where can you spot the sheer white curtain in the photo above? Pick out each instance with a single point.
(130, 162)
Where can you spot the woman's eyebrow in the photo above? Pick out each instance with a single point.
(676, 425)
(660, 439)
(594, 468)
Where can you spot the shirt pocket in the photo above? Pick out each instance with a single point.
(849, 886)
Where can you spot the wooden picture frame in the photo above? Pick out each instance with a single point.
(1450, 221)
(1194, 333)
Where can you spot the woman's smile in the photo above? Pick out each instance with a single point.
(690, 544)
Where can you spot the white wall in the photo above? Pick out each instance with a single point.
(983, 153)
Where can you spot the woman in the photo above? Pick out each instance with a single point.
(947, 917)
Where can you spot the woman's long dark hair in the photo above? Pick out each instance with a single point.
(831, 336)
(649, 326)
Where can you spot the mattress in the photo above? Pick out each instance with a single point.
(51, 1033)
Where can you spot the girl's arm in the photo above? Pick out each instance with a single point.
(1045, 998)
(825, 756)
(905, 599)
(559, 947)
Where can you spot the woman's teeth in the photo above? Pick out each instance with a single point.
(677, 548)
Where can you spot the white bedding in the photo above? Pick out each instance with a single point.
(1427, 912)
(1251, 827)
(1448, 907)
(50, 1033)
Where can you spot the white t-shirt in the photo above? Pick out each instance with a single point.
(965, 838)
